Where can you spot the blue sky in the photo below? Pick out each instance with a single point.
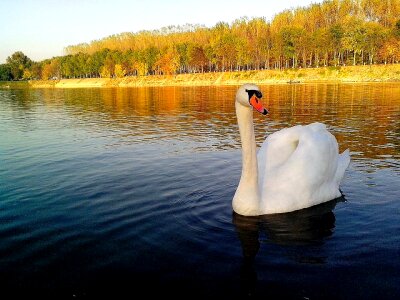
(42, 28)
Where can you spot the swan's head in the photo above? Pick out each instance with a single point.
(249, 95)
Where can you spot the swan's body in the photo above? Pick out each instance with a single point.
(295, 168)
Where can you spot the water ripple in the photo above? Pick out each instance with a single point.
(117, 188)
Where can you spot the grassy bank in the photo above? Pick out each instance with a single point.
(374, 73)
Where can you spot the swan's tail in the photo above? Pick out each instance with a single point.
(343, 163)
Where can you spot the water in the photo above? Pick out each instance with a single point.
(113, 191)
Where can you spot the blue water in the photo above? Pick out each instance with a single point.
(114, 191)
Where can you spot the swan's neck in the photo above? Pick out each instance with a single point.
(246, 199)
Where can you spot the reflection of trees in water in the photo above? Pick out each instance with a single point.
(303, 228)
(363, 117)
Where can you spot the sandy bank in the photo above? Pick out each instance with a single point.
(375, 73)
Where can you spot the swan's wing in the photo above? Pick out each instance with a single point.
(298, 167)
(314, 161)
(334, 161)
(343, 163)
(275, 151)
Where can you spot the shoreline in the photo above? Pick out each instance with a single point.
(347, 74)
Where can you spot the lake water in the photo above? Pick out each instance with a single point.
(112, 191)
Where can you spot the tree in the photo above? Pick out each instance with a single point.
(139, 64)
(109, 66)
(197, 58)
(354, 37)
(51, 70)
(331, 33)
(335, 35)
(375, 34)
(182, 51)
(5, 72)
(390, 51)
(119, 71)
(46, 72)
(397, 29)
(36, 70)
(18, 61)
(291, 37)
(224, 46)
(168, 63)
(27, 74)
(150, 56)
(97, 60)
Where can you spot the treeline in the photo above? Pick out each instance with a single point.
(332, 33)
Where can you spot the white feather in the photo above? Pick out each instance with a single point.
(295, 168)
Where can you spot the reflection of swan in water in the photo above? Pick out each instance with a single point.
(295, 168)
(304, 227)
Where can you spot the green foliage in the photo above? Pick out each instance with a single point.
(36, 70)
(17, 62)
(5, 72)
(397, 29)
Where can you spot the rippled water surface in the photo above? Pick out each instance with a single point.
(112, 191)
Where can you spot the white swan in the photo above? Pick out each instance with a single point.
(295, 168)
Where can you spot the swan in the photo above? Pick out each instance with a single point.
(295, 168)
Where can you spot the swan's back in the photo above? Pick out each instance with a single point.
(299, 167)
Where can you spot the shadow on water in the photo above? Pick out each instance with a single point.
(304, 228)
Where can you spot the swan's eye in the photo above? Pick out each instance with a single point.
(254, 92)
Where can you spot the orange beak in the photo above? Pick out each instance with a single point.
(256, 103)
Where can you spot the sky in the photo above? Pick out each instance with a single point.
(43, 28)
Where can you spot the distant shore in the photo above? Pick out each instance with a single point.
(374, 73)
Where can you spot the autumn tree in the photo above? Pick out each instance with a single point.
(390, 51)
(331, 33)
(139, 64)
(51, 69)
(375, 35)
(119, 71)
(168, 62)
(197, 58)
(108, 67)
(27, 74)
